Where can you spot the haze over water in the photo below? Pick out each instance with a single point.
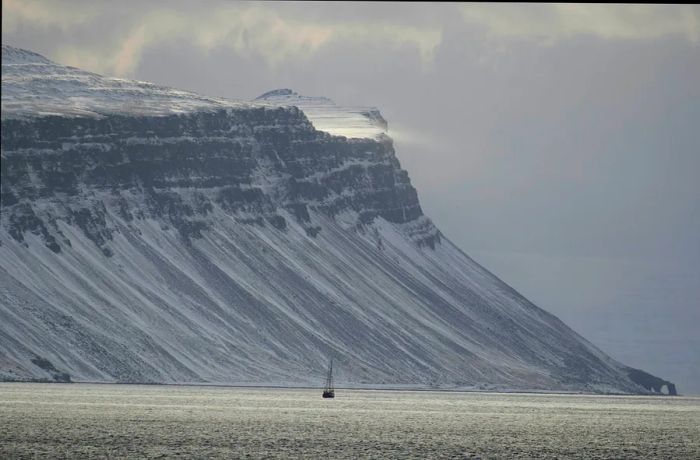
(115, 421)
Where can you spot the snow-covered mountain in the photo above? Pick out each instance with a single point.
(155, 235)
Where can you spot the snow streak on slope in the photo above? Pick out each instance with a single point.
(251, 305)
(191, 242)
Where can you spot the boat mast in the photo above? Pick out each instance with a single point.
(330, 376)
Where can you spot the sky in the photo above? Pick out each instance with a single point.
(557, 144)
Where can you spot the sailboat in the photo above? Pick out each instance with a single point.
(328, 390)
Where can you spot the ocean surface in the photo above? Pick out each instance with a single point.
(124, 421)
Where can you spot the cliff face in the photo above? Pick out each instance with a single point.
(251, 162)
(236, 243)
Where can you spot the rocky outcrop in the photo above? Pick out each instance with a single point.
(650, 382)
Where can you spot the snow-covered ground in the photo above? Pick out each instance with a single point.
(326, 115)
(33, 85)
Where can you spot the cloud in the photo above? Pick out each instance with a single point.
(551, 22)
(38, 13)
(279, 33)
(244, 28)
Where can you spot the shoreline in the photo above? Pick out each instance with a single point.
(375, 387)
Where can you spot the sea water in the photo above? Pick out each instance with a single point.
(120, 421)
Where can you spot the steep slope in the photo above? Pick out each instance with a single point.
(176, 238)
